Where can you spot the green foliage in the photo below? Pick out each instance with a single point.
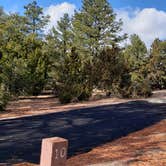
(35, 19)
(139, 87)
(73, 81)
(132, 85)
(58, 47)
(37, 65)
(24, 61)
(108, 67)
(134, 81)
(63, 35)
(79, 54)
(157, 65)
(135, 53)
(4, 98)
(95, 27)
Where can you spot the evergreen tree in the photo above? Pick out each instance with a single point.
(157, 64)
(135, 53)
(24, 61)
(64, 34)
(72, 81)
(135, 57)
(36, 20)
(37, 65)
(58, 47)
(95, 27)
(36, 56)
(12, 37)
(108, 68)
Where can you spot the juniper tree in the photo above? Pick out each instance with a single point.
(108, 68)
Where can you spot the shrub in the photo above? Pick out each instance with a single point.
(4, 98)
(65, 97)
(132, 85)
(140, 87)
(85, 94)
(67, 93)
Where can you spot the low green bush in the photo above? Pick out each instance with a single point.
(4, 98)
(67, 93)
(132, 85)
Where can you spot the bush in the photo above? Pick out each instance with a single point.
(76, 92)
(4, 98)
(65, 96)
(85, 95)
(140, 87)
(132, 85)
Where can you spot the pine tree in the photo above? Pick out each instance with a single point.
(95, 27)
(36, 20)
(70, 81)
(36, 56)
(64, 34)
(135, 53)
(61, 36)
(135, 57)
(58, 46)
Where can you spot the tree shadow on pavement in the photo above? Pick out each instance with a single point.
(20, 139)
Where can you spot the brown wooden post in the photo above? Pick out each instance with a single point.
(54, 152)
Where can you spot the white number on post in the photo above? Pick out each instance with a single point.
(60, 153)
(63, 152)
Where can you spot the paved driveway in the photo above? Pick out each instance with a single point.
(20, 139)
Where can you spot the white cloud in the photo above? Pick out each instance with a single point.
(57, 11)
(148, 23)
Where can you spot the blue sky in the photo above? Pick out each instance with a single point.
(17, 5)
(147, 18)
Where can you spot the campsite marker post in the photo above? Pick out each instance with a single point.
(54, 152)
